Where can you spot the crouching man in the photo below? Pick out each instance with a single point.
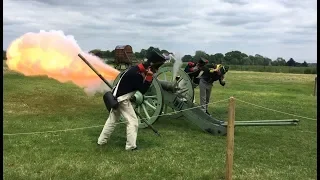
(211, 73)
(136, 78)
(194, 70)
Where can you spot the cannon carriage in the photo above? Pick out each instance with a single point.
(177, 93)
(175, 96)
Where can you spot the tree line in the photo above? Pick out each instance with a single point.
(229, 58)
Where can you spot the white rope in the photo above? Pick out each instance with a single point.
(53, 131)
(64, 130)
(167, 114)
(276, 110)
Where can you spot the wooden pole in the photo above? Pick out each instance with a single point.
(315, 87)
(230, 139)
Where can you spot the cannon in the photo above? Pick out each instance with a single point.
(177, 94)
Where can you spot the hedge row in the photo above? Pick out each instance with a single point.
(276, 69)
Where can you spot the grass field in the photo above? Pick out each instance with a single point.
(33, 104)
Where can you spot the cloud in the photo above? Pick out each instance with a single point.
(274, 28)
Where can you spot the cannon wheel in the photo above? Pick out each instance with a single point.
(152, 104)
(184, 82)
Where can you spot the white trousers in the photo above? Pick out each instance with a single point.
(126, 110)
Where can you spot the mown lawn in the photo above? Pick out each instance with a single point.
(34, 104)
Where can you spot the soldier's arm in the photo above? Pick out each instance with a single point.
(221, 81)
(142, 83)
(214, 68)
(190, 67)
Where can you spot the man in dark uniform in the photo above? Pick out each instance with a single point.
(193, 70)
(211, 73)
(136, 78)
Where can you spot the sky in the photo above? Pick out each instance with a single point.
(271, 28)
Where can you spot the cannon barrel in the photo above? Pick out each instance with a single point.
(285, 122)
(169, 86)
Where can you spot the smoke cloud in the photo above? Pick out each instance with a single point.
(55, 55)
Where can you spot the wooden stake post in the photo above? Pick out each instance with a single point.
(230, 139)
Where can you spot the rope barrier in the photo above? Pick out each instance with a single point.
(64, 130)
(167, 114)
(276, 110)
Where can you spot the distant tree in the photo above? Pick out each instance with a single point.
(113, 53)
(234, 61)
(259, 60)
(199, 54)
(137, 55)
(304, 64)
(143, 53)
(186, 58)
(107, 54)
(266, 61)
(97, 52)
(291, 62)
(247, 61)
(279, 62)
(252, 60)
(149, 50)
(217, 58)
(233, 57)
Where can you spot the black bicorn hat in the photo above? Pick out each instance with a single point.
(155, 57)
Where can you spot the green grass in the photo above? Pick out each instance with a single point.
(183, 152)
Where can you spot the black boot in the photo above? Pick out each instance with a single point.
(134, 149)
(208, 113)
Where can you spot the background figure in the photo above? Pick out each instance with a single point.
(193, 70)
(211, 73)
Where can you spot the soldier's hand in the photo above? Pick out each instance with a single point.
(133, 99)
(195, 68)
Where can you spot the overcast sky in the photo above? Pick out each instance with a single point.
(272, 28)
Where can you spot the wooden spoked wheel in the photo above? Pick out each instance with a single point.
(148, 106)
(184, 83)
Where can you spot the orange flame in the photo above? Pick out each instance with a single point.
(55, 55)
